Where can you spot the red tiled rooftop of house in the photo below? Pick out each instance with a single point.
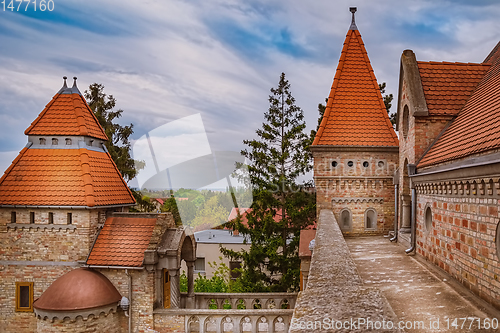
(67, 114)
(63, 177)
(306, 236)
(355, 113)
(448, 85)
(122, 242)
(475, 130)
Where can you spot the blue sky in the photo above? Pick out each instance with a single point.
(164, 60)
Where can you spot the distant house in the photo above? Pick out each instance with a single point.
(208, 249)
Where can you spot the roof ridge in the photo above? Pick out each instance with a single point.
(121, 176)
(452, 63)
(377, 88)
(364, 101)
(94, 116)
(336, 78)
(44, 111)
(87, 178)
(14, 162)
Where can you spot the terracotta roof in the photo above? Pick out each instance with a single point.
(122, 242)
(63, 177)
(355, 112)
(67, 114)
(448, 85)
(476, 129)
(79, 289)
(306, 236)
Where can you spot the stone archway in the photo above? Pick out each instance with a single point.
(176, 245)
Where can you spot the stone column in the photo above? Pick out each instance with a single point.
(406, 213)
(175, 295)
(190, 275)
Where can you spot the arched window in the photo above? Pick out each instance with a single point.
(345, 220)
(428, 218)
(406, 120)
(370, 219)
(497, 240)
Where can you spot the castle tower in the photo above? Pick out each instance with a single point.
(53, 198)
(356, 149)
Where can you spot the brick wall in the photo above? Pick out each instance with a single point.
(35, 242)
(109, 323)
(357, 188)
(143, 295)
(461, 240)
(164, 323)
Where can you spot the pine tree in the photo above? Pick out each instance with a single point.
(388, 102)
(281, 207)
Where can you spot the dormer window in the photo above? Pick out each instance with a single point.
(55, 142)
(42, 141)
(68, 142)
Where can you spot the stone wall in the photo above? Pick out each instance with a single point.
(333, 280)
(109, 323)
(143, 295)
(169, 323)
(461, 236)
(367, 184)
(39, 252)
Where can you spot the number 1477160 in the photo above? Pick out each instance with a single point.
(25, 5)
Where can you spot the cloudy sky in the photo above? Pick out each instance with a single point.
(168, 59)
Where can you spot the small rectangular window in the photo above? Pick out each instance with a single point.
(70, 218)
(51, 218)
(199, 264)
(13, 217)
(32, 217)
(24, 296)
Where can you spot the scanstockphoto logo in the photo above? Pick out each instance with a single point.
(177, 155)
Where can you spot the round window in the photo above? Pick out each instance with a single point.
(334, 164)
(350, 164)
(428, 218)
(365, 164)
(380, 164)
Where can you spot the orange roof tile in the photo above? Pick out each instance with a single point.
(448, 85)
(122, 242)
(475, 129)
(355, 112)
(67, 114)
(63, 177)
(306, 236)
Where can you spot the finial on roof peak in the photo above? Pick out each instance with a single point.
(353, 23)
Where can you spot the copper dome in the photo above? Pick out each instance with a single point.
(82, 288)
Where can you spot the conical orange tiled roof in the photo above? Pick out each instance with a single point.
(66, 171)
(355, 113)
(67, 114)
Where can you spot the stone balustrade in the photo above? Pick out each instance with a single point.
(234, 321)
(245, 300)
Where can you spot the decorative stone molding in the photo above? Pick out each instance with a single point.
(41, 227)
(478, 187)
(73, 315)
(357, 200)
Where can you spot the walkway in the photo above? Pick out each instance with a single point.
(416, 292)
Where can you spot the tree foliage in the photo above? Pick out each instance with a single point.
(281, 207)
(388, 102)
(118, 144)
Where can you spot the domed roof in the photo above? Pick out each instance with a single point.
(82, 288)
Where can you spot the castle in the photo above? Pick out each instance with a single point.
(72, 258)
